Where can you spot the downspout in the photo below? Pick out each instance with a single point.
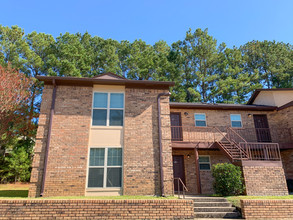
(49, 136)
(160, 141)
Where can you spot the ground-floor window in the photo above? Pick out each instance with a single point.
(105, 167)
(204, 162)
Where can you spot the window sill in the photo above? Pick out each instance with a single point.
(114, 189)
(106, 127)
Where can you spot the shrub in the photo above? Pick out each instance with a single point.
(228, 179)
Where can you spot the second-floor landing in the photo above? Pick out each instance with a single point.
(205, 124)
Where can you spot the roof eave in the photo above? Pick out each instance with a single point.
(91, 81)
(221, 107)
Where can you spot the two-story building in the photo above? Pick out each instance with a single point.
(108, 135)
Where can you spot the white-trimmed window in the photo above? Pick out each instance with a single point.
(200, 120)
(105, 167)
(108, 109)
(236, 121)
(204, 162)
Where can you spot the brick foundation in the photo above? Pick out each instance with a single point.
(264, 179)
(96, 209)
(267, 209)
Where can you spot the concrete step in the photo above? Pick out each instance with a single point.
(214, 209)
(206, 199)
(216, 215)
(212, 204)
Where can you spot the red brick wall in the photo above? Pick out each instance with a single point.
(264, 179)
(287, 159)
(141, 144)
(68, 151)
(267, 209)
(41, 140)
(96, 209)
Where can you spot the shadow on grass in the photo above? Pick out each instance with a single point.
(13, 193)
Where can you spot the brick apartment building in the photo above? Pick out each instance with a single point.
(108, 135)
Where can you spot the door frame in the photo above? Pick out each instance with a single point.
(268, 127)
(180, 122)
(183, 165)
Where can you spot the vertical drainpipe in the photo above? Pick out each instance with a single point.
(160, 141)
(49, 136)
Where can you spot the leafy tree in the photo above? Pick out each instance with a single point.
(271, 60)
(18, 165)
(198, 55)
(14, 93)
(234, 84)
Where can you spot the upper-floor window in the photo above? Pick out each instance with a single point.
(204, 162)
(108, 109)
(236, 120)
(200, 120)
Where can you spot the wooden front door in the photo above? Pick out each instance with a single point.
(176, 126)
(262, 128)
(178, 171)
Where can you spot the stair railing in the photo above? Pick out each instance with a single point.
(233, 135)
(227, 137)
(184, 188)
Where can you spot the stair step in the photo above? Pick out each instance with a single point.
(207, 199)
(212, 204)
(214, 209)
(216, 215)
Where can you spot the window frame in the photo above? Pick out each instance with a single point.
(108, 108)
(105, 167)
(236, 121)
(208, 156)
(200, 120)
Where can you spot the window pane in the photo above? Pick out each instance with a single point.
(200, 117)
(116, 117)
(117, 100)
(96, 177)
(114, 177)
(97, 156)
(235, 117)
(100, 100)
(200, 123)
(204, 167)
(114, 157)
(236, 124)
(203, 159)
(100, 117)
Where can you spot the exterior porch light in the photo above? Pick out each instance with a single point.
(185, 113)
(188, 156)
(249, 115)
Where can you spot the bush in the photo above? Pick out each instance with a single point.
(228, 179)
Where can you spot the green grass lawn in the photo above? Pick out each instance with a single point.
(235, 200)
(20, 191)
(14, 190)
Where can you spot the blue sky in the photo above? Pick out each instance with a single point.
(234, 22)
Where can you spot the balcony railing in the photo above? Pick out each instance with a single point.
(210, 134)
(237, 143)
(262, 151)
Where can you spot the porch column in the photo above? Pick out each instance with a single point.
(198, 183)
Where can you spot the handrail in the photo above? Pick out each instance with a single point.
(184, 188)
(230, 129)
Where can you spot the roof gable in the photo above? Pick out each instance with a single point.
(111, 76)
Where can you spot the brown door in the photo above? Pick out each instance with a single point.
(178, 171)
(176, 126)
(262, 128)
